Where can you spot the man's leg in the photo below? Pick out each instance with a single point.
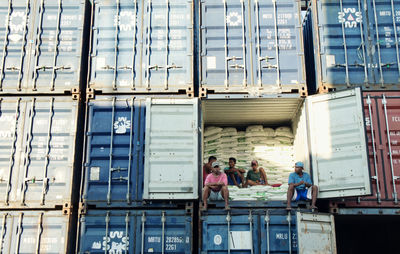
(233, 177)
(290, 193)
(241, 178)
(225, 195)
(263, 176)
(314, 196)
(206, 194)
(251, 183)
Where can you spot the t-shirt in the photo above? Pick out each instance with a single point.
(295, 178)
(211, 178)
(227, 168)
(253, 176)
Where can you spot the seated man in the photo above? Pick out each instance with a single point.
(216, 187)
(207, 167)
(301, 187)
(235, 175)
(256, 176)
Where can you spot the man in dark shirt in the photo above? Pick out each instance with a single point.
(235, 175)
(256, 176)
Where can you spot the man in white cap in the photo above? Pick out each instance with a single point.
(215, 186)
(301, 187)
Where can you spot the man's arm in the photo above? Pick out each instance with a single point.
(308, 182)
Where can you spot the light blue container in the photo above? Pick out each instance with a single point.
(251, 47)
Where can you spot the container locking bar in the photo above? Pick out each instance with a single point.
(395, 39)
(228, 220)
(116, 40)
(134, 47)
(345, 48)
(23, 43)
(127, 231)
(376, 177)
(289, 219)
(143, 228)
(394, 178)
(111, 152)
(163, 220)
(267, 221)
(39, 232)
(107, 220)
(278, 74)
(148, 45)
(4, 223)
(5, 44)
(55, 54)
(12, 154)
(128, 187)
(363, 47)
(378, 44)
(38, 42)
(46, 162)
(28, 150)
(251, 230)
(19, 232)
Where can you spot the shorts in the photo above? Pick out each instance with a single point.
(304, 194)
(230, 180)
(215, 196)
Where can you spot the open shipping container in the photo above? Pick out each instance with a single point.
(382, 117)
(251, 48)
(266, 231)
(43, 45)
(40, 151)
(356, 43)
(37, 232)
(142, 46)
(136, 231)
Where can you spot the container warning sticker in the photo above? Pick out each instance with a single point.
(94, 173)
(330, 61)
(217, 239)
(240, 240)
(121, 125)
(211, 62)
(233, 19)
(350, 17)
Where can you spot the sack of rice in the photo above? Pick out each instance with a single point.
(269, 132)
(212, 137)
(284, 132)
(252, 128)
(228, 131)
(212, 130)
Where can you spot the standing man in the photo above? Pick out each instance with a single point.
(216, 187)
(235, 175)
(207, 169)
(256, 176)
(301, 187)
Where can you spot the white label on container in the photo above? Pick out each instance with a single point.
(217, 239)
(150, 250)
(211, 62)
(330, 61)
(240, 240)
(94, 173)
(100, 63)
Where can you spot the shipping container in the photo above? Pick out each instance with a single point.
(43, 46)
(40, 151)
(382, 117)
(37, 232)
(329, 136)
(251, 48)
(266, 231)
(121, 171)
(355, 44)
(142, 46)
(136, 231)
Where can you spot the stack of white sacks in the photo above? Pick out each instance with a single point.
(272, 148)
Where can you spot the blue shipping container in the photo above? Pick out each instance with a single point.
(42, 45)
(37, 232)
(251, 47)
(135, 231)
(355, 44)
(142, 46)
(114, 163)
(266, 231)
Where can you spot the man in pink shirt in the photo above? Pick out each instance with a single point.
(216, 187)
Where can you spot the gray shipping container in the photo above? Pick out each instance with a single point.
(37, 232)
(142, 46)
(251, 47)
(42, 46)
(39, 151)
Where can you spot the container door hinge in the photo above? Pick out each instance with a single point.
(203, 92)
(90, 93)
(75, 93)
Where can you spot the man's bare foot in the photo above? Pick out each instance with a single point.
(227, 207)
(288, 208)
(204, 208)
(314, 207)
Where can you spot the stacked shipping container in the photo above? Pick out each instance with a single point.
(42, 65)
(140, 175)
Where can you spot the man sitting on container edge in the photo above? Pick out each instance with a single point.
(207, 169)
(215, 187)
(235, 175)
(301, 187)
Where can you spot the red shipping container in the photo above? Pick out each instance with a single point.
(382, 117)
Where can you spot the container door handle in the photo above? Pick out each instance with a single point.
(55, 51)
(23, 43)
(376, 177)
(378, 44)
(267, 220)
(289, 219)
(111, 152)
(5, 44)
(38, 42)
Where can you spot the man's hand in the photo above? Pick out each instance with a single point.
(299, 183)
(308, 185)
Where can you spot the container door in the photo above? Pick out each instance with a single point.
(171, 150)
(338, 144)
(316, 233)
